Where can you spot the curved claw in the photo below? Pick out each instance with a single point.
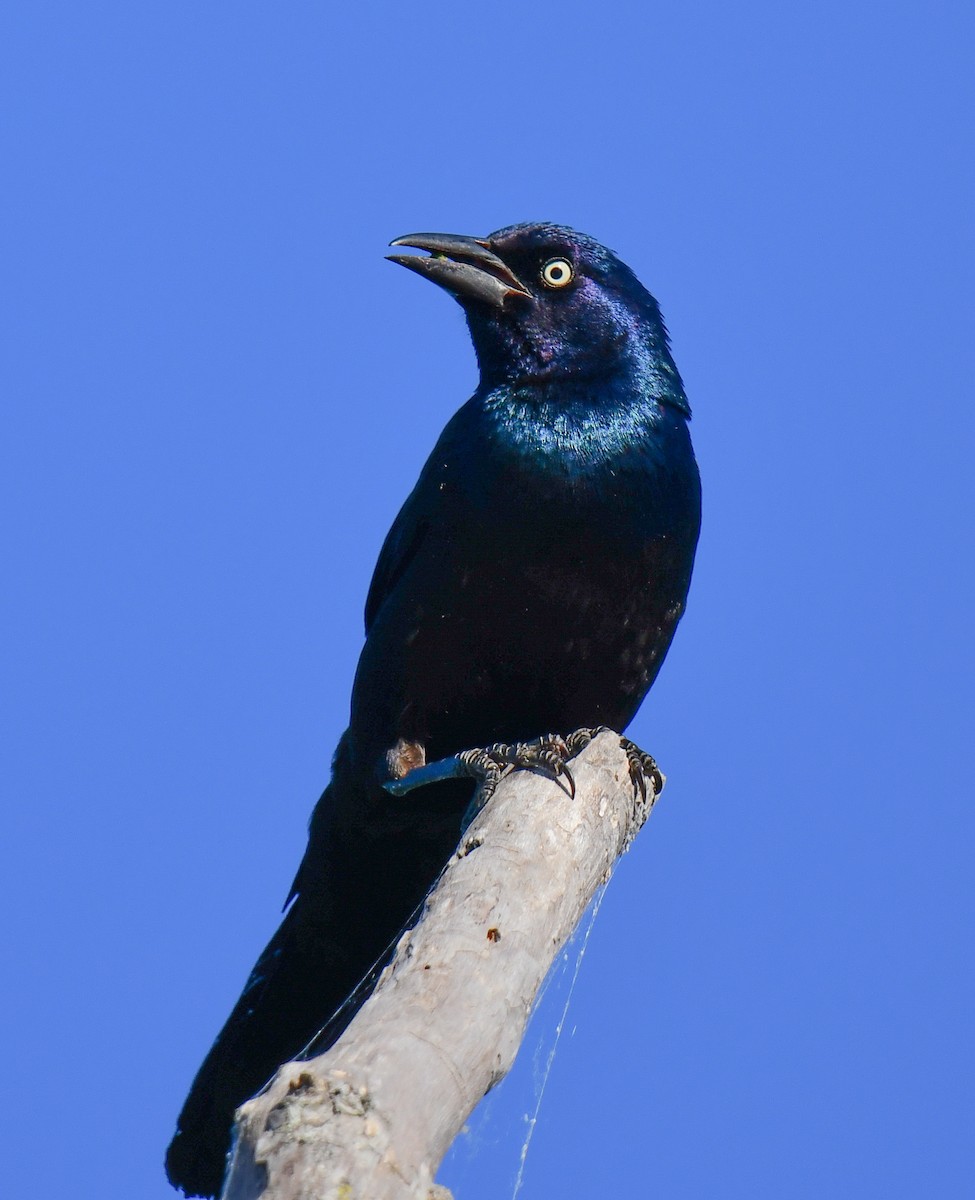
(643, 770)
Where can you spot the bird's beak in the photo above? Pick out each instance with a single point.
(463, 266)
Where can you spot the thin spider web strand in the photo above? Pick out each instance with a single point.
(533, 1120)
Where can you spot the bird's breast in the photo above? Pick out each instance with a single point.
(548, 587)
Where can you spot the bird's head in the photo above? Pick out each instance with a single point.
(545, 303)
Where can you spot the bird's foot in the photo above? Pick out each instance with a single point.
(490, 764)
(549, 754)
(643, 767)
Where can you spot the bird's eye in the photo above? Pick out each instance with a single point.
(557, 272)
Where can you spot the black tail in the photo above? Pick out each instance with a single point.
(298, 984)
(370, 861)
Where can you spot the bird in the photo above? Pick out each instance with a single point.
(532, 581)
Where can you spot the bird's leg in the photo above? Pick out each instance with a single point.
(643, 766)
(489, 766)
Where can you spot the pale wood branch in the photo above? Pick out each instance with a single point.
(372, 1117)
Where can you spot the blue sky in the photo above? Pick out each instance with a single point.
(217, 394)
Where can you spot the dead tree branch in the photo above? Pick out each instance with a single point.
(372, 1117)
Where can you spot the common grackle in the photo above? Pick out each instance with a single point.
(532, 581)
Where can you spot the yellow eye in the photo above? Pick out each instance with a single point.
(557, 272)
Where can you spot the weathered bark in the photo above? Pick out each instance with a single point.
(372, 1117)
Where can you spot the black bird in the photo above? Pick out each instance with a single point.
(532, 581)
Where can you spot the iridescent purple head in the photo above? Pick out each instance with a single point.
(546, 304)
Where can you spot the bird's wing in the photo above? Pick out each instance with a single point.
(399, 549)
(432, 505)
